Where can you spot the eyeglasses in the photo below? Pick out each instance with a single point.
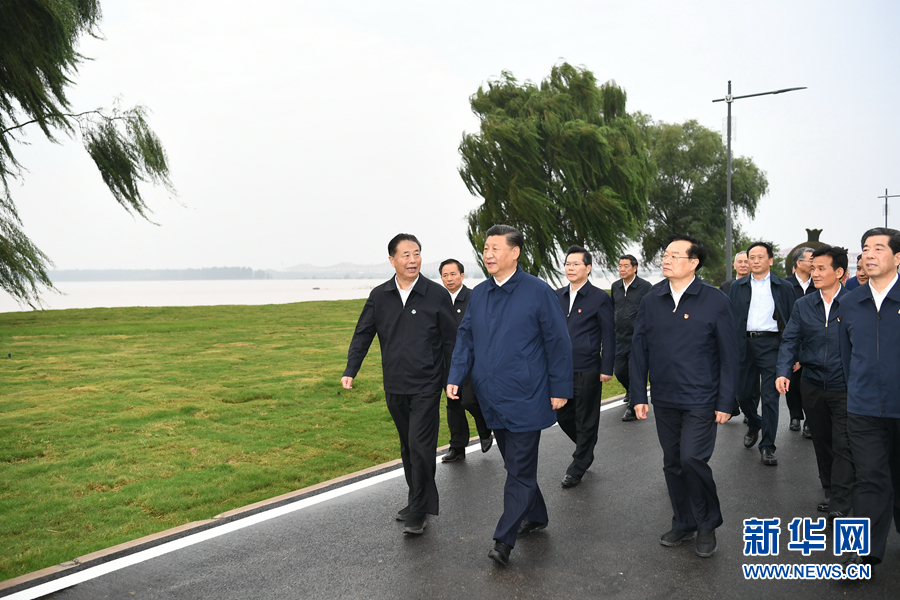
(664, 257)
(573, 264)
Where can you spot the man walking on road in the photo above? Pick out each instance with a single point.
(684, 337)
(413, 318)
(513, 340)
(453, 273)
(626, 293)
(589, 318)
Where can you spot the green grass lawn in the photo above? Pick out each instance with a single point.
(119, 423)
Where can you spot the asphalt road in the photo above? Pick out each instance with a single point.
(602, 540)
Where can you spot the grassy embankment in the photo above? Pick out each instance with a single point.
(119, 423)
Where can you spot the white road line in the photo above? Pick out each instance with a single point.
(202, 536)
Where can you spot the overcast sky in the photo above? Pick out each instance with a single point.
(312, 132)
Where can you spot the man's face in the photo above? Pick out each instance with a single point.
(824, 276)
(878, 258)
(407, 260)
(760, 263)
(627, 270)
(499, 257)
(741, 265)
(861, 274)
(675, 263)
(804, 266)
(451, 277)
(576, 271)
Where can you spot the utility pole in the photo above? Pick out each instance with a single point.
(728, 100)
(886, 204)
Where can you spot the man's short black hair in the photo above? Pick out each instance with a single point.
(770, 248)
(893, 237)
(573, 249)
(798, 254)
(459, 265)
(838, 256)
(697, 249)
(631, 259)
(513, 236)
(402, 237)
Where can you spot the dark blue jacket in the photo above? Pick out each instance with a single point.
(798, 289)
(740, 293)
(870, 352)
(625, 307)
(514, 341)
(690, 351)
(814, 343)
(591, 328)
(415, 339)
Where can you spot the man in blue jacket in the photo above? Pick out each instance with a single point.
(762, 304)
(516, 338)
(870, 354)
(812, 339)
(589, 317)
(685, 338)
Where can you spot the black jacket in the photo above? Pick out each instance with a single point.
(625, 308)
(798, 289)
(415, 339)
(740, 294)
(591, 328)
(814, 343)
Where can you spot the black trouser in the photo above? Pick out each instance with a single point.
(418, 419)
(456, 416)
(826, 415)
(688, 438)
(621, 370)
(794, 395)
(580, 419)
(759, 364)
(875, 444)
(522, 498)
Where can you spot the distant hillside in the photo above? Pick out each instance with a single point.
(347, 271)
(210, 273)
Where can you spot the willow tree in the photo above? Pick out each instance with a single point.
(562, 162)
(689, 192)
(38, 57)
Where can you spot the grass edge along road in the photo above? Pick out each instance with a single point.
(117, 423)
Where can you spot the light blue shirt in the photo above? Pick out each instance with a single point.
(761, 316)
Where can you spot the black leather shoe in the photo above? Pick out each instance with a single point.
(750, 438)
(836, 514)
(674, 537)
(745, 420)
(806, 432)
(403, 513)
(500, 553)
(705, 546)
(768, 457)
(569, 481)
(629, 415)
(415, 524)
(795, 425)
(453, 454)
(823, 505)
(855, 559)
(487, 442)
(526, 527)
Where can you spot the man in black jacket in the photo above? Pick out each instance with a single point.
(802, 281)
(762, 305)
(413, 318)
(453, 273)
(812, 337)
(626, 293)
(589, 318)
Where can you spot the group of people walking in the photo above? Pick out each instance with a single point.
(519, 357)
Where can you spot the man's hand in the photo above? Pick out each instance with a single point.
(796, 367)
(452, 391)
(347, 382)
(558, 403)
(641, 410)
(782, 384)
(722, 417)
(605, 378)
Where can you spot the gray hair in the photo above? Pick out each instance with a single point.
(798, 254)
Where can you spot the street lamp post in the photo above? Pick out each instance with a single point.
(728, 100)
(886, 204)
